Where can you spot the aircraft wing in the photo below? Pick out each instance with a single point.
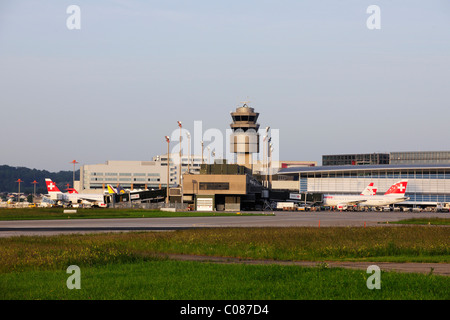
(353, 202)
(88, 198)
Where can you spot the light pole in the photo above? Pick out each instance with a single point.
(18, 196)
(269, 145)
(180, 166)
(209, 154)
(264, 158)
(74, 162)
(270, 166)
(202, 150)
(34, 193)
(189, 151)
(267, 152)
(168, 164)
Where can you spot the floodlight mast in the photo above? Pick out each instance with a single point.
(168, 172)
(74, 162)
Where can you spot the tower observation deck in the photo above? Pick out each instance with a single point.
(245, 137)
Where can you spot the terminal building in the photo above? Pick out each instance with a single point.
(249, 184)
(355, 159)
(428, 177)
(136, 174)
(413, 157)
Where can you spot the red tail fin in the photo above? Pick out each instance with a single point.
(370, 190)
(398, 188)
(51, 186)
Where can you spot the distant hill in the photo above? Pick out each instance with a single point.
(9, 175)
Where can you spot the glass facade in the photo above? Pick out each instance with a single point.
(355, 159)
(426, 185)
(395, 158)
(424, 157)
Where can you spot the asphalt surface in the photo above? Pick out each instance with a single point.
(278, 219)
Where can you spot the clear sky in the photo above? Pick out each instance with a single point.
(313, 69)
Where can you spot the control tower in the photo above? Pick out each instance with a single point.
(245, 137)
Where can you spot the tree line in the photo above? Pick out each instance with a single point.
(9, 176)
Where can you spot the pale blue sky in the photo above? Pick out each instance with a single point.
(115, 88)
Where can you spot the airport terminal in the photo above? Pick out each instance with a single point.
(428, 184)
(250, 184)
(136, 174)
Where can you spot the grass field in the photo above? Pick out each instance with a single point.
(425, 221)
(184, 280)
(96, 213)
(399, 244)
(132, 265)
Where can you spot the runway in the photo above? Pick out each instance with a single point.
(277, 219)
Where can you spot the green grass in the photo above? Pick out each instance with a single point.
(399, 244)
(425, 221)
(183, 280)
(134, 265)
(98, 213)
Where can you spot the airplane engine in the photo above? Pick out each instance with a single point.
(341, 207)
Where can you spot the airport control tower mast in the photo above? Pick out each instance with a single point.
(245, 137)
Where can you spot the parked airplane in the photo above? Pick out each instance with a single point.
(73, 197)
(395, 194)
(120, 190)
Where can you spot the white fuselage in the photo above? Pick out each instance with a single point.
(361, 200)
(77, 197)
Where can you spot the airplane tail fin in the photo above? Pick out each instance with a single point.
(51, 186)
(398, 188)
(111, 190)
(370, 190)
(72, 190)
(120, 189)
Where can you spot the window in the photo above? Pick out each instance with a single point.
(153, 174)
(214, 186)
